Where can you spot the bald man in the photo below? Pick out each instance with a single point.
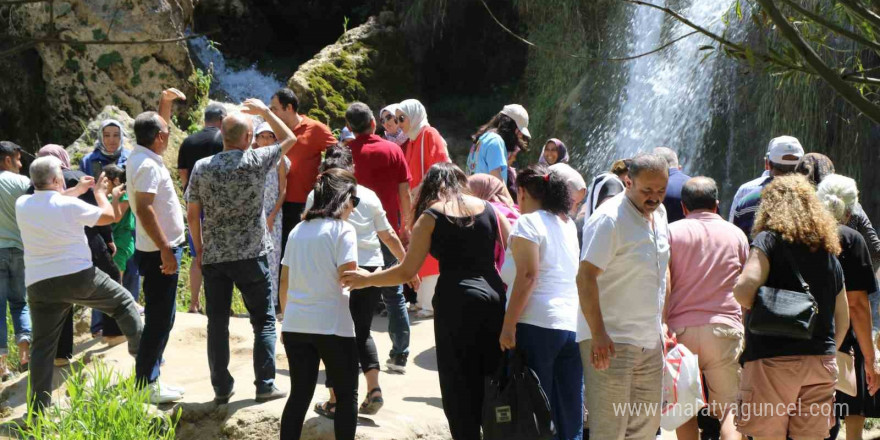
(232, 243)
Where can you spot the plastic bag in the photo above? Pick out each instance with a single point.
(515, 406)
(682, 388)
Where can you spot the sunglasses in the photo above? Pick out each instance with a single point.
(388, 118)
(401, 118)
(355, 201)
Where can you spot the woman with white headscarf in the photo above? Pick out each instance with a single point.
(426, 147)
(273, 199)
(393, 132)
(109, 149)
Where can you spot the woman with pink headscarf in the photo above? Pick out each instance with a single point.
(491, 189)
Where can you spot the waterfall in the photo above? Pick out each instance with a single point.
(233, 84)
(667, 97)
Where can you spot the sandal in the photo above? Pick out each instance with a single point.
(326, 409)
(373, 403)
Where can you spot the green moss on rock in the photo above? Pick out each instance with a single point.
(105, 61)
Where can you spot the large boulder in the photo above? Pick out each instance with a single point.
(369, 63)
(81, 79)
(85, 144)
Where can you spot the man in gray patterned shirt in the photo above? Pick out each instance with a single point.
(232, 243)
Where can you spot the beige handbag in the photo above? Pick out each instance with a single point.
(846, 374)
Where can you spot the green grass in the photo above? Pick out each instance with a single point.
(103, 404)
(183, 290)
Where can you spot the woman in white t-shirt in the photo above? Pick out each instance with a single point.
(540, 270)
(371, 227)
(317, 323)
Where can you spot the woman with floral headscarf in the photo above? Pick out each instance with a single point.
(109, 149)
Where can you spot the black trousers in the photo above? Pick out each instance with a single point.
(466, 332)
(305, 351)
(362, 305)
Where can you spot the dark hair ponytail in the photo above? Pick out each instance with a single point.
(333, 189)
(547, 187)
(505, 127)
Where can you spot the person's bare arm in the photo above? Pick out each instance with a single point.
(526, 255)
(419, 246)
(392, 242)
(85, 183)
(184, 176)
(405, 198)
(286, 138)
(860, 317)
(282, 288)
(602, 347)
(753, 276)
(194, 219)
(841, 318)
(282, 194)
(146, 215)
(166, 102)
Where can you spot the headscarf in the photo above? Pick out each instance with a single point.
(418, 117)
(605, 185)
(99, 143)
(488, 188)
(390, 108)
(263, 127)
(57, 151)
(815, 166)
(562, 152)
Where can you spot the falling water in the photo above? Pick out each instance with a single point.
(667, 97)
(236, 85)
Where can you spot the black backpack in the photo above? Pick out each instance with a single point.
(515, 406)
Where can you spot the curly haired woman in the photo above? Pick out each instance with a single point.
(794, 232)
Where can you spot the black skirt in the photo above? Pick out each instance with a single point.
(863, 404)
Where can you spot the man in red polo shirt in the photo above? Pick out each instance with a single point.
(312, 137)
(380, 166)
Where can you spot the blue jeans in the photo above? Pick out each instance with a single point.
(13, 292)
(395, 304)
(160, 293)
(555, 357)
(252, 277)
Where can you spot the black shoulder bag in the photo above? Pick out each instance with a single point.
(515, 406)
(784, 313)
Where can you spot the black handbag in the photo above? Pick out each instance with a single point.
(515, 406)
(784, 313)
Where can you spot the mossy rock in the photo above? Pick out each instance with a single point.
(368, 63)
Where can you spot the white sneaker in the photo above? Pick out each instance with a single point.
(425, 313)
(160, 394)
(175, 388)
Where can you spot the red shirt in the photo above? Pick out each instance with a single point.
(312, 137)
(380, 166)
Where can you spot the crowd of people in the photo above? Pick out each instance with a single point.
(592, 282)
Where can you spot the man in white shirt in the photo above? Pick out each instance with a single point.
(59, 270)
(622, 286)
(159, 236)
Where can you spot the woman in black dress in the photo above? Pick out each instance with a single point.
(461, 232)
(839, 194)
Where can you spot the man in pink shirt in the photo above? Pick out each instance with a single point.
(706, 256)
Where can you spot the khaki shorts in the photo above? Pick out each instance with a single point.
(718, 348)
(787, 395)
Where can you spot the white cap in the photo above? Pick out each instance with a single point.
(264, 126)
(519, 115)
(785, 146)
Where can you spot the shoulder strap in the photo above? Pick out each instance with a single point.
(793, 264)
(497, 225)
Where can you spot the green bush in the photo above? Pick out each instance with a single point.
(103, 405)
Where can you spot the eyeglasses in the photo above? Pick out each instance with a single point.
(401, 118)
(355, 201)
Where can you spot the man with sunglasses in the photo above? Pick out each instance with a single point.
(232, 243)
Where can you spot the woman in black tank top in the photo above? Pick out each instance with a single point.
(461, 232)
